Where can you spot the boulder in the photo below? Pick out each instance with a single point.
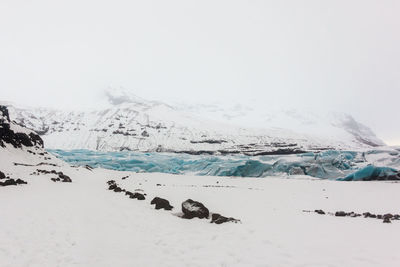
(340, 214)
(192, 209)
(112, 187)
(319, 212)
(2, 175)
(386, 220)
(138, 196)
(117, 189)
(8, 182)
(219, 219)
(20, 181)
(161, 203)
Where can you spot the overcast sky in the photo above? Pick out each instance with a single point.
(337, 55)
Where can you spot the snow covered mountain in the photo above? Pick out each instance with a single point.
(133, 123)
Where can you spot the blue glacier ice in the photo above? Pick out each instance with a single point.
(331, 164)
(371, 172)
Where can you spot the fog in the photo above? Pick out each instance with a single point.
(336, 55)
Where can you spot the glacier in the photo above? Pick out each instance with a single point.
(374, 164)
(136, 124)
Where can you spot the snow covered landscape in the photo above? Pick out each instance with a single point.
(69, 214)
(199, 133)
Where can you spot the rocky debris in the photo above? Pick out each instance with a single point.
(340, 214)
(387, 218)
(209, 141)
(12, 182)
(192, 209)
(369, 215)
(118, 189)
(88, 167)
(128, 193)
(321, 212)
(61, 176)
(161, 203)
(113, 186)
(111, 182)
(123, 178)
(348, 214)
(138, 196)
(219, 219)
(48, 164)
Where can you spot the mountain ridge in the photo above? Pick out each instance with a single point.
(133, 123)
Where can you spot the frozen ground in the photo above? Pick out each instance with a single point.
(47, 223)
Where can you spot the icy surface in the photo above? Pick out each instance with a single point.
(351, 165)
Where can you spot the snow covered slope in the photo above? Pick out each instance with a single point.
(132, 123)
(85, 223)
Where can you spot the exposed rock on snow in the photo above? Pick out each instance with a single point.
(61, 176)
(12, 182)
(161, 203)
(321, 212)
(219, 219)
(192, 209)
(10, 133)
(138, 196)
(387, 218)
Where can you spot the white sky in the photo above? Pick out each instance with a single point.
(337, 55)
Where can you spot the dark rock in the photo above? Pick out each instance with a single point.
(369, 215)
(36, 140)
(138, 196)
(18, 139)
(90, 168)
(2, 175)
(386, 220)
(8, 182)
(340, 214)
(161, 203)
(319, 212)
(20, 181)
(128, 193)
(193, 209)
(388, 215)
(64, 178)
(353, 214)
(111, 182)
(209, 141)
(4, 112)
(112, 187)
(219, 219)
(117, 189)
